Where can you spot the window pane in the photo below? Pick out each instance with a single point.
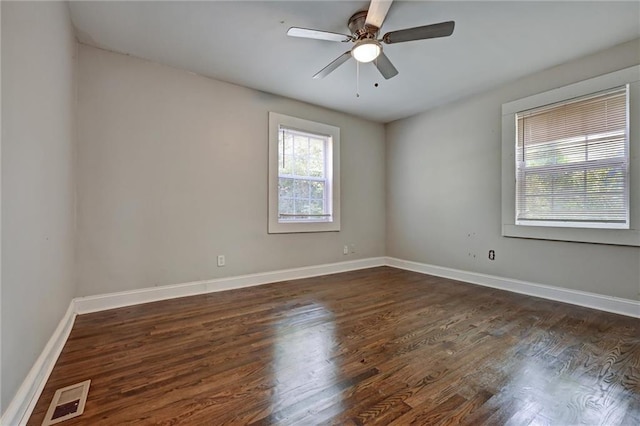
(301, 188)
(317, 189)
(316, 158)
(285, 206)
(316, 207)
(607, 148)
(538, 184)
(608, 179)
(301, 148)
(285, 187)
(301, 206)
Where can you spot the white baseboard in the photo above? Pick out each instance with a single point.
(575, 297)
(24, 401)
(153, 294)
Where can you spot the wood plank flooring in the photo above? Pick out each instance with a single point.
(377, 346)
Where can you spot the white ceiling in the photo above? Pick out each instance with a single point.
(245, 43)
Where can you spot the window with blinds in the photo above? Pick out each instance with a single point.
(304, 189)
(572, 162)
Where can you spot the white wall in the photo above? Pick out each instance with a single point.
(172, 171)
(444, 180)
(38, 131)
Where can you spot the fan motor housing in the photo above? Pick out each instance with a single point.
(358, 27)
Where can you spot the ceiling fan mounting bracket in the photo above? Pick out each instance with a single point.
(359, 29)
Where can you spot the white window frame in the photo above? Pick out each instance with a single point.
(275, 226)
(628, 237)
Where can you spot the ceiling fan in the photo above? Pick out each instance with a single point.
(364, 27)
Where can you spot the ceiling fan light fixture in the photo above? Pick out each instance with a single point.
(366, 50)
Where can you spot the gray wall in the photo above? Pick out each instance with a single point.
(38, 104)
(443, 192)
(172, 171)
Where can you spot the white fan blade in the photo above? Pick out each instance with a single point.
(317, 34)
(385, 66)
(333, 65)
(377, 12)
(443, 29)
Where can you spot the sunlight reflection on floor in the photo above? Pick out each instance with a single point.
(303, 356)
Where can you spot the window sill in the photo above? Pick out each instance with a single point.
(618, 237)
(298, 227)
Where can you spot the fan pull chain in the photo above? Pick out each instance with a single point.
(357, 79)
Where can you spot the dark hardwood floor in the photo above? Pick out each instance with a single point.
(380, 345)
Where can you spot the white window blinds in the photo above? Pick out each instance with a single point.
(572, 163)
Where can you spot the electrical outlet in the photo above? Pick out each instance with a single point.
(345, 250)
(221, 260)
(492, 255)
(353, 248)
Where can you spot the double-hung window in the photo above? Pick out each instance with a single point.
(304, 189)
(572, 162)
(303, 175)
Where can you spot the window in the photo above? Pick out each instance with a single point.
(304, 184)
(304, 189)
(570, 163)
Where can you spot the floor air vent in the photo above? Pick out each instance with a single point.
(67, 403)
